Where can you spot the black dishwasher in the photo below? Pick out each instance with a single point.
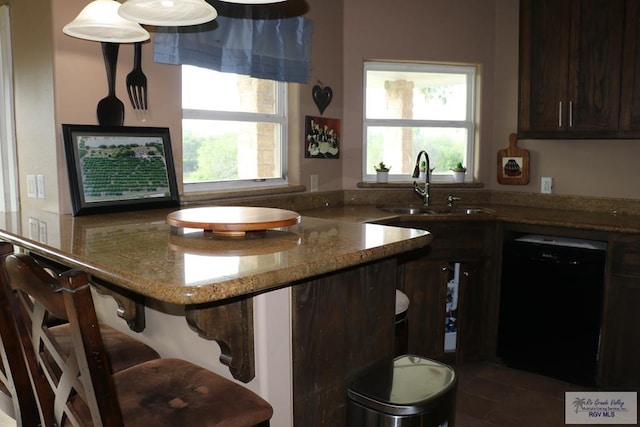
(551, 306)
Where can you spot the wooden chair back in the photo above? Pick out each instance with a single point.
(17, 396)
(72, 380)
(80, 385)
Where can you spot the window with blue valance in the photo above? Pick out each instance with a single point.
(273, 48)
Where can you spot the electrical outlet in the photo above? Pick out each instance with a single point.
(42, 233)
(34, 229)
(546, 185)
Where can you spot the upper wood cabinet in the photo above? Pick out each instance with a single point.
(571, 61)
(630, 94)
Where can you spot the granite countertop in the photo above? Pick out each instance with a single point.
(139, 252)
(595, 221)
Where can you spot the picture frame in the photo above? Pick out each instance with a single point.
(322, 138)
(119, 168)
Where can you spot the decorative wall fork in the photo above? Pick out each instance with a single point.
(137, 84)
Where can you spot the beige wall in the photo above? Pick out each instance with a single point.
(483, 32)
(76, 75)
(346, 32)
(34, 98)
(456, 31)
(598, 168)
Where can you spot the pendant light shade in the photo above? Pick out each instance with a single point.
(99, 21)
(253, 1)
(171, 13)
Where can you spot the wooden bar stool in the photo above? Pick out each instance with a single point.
(15, 389)
(16, 395)
(83, 389)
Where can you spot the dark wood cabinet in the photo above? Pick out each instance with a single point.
(342, 324)
(630, 95)
(424, 276)
(571, 68)
(619, 366)
(473, 307)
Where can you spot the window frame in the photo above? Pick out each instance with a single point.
(8, 146)
(280, 117)
(469, 70)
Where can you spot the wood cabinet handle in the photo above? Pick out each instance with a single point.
(570, 114)
(560, 114)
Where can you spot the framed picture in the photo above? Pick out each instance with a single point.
(322, 138)
(119, 168)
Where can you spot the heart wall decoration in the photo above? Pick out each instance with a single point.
(322, 97)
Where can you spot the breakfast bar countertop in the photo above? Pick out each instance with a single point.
(140, 252)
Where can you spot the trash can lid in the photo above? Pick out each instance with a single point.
(409, 385)
(402, 302)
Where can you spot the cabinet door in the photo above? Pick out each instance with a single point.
(544, 64)
(620, 345)
(595, 65)
(425, 281)
(570, 67)
(472, 312)
(630, 95)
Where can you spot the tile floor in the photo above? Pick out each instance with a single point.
(491, 395)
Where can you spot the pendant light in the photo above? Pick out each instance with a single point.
(170, 13)
(99, 21)
(253, 1)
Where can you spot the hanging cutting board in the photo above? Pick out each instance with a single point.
(513, 163)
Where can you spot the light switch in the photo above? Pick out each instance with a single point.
(546, 185)
(40, 187)
(32, 187)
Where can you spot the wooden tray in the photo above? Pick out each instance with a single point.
(513, 163)
(233, 220)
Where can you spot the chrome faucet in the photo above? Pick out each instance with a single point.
(451, 199)
(424, 193)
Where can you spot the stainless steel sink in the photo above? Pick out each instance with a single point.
(458, 211)
(407, 210)
(427, 210)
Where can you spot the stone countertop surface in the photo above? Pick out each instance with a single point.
(139, 252)
(577, 219)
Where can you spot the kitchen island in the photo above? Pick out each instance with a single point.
(298, 312)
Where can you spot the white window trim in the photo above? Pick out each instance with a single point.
(10, 201)
(471, 74)
(280, 117)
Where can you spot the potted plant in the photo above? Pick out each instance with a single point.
(459, 172)
(382, 171)
(423, 170)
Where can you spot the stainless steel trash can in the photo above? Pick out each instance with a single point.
(410, 391)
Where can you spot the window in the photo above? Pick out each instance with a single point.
(411, 107)
(233, 130)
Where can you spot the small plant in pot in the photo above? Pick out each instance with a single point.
(382, 171)
(423, 170)
(459, 172)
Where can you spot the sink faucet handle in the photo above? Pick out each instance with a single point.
(452, 199)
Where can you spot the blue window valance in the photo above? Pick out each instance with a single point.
(275, 49)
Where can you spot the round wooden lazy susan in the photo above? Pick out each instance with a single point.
(232, 220)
